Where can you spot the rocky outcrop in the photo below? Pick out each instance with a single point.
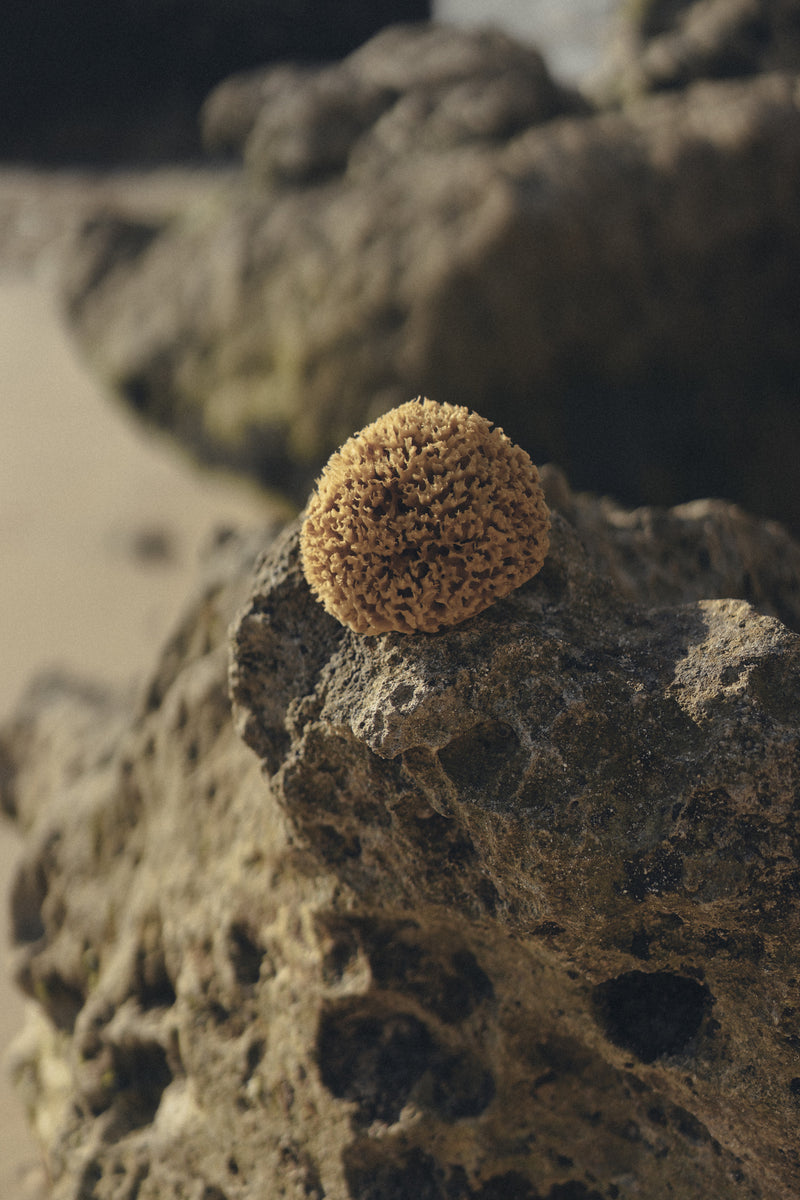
(428, 87)
(510, 910)
(121, 80)
(619, 290)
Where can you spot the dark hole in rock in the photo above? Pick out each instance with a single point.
(452, 991)
(245, 954)
(218, 1012)
(140, 1173)
(738, 944)
(255, 1053)
(548, 929)
(61, 1000)
(373, 1060)
(153, 544)
(487, 894)
(476, 760)
(210, 1192)
(402, 694)
(340, 947)
(510, 1186)
(393, 958)
(460, 851)
(152, 983)
(28, 894)
(572, 1190)
(640, 944)
(462, 1087)
(333, 846)
(414, 1178)
(90, 1177)
(451, 988)
(302, 1169)
(8, 773)
(651, 1014)
(653, 873)
(689, 1127)
(142, 1073)
(438, 840)
(138, 392)
(473, 982)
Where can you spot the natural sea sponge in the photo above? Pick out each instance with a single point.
(423, 519)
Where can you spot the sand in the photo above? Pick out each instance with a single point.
(101, 527)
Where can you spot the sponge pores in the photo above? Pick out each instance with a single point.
(422, 520)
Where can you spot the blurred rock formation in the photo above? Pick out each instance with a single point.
(434, 214)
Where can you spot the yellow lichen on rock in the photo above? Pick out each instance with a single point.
(423, 519)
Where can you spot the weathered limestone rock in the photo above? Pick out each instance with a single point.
(618, 290)
(612, 779)
(510, 910)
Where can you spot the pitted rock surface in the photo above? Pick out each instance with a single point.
(579, 764)
(506, 911)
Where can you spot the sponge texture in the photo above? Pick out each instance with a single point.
(423, 519)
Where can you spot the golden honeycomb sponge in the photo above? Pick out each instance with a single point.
(422, 520)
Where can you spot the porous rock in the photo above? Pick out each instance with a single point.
(618, 290)
(510, 910)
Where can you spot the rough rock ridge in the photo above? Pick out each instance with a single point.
(510, 911)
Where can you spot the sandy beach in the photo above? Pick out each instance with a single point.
(101, 526)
